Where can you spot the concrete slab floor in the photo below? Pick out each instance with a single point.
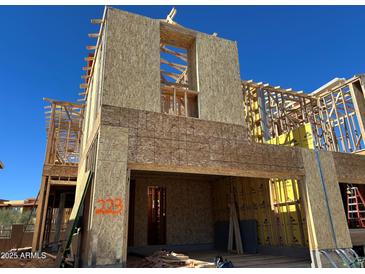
(252, 260)
(239, 261)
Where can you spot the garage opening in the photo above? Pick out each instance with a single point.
(188, 215)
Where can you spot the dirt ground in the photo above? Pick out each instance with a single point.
(30, 263)
(24, 258)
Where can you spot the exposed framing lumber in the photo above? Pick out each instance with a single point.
(340, 107)
(96, 49)
(64, 127)
(336, 113)
(271, 111)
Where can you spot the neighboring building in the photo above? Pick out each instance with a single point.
(21, 206)
(166, 136)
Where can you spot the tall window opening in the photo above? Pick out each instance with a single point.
(177, 70)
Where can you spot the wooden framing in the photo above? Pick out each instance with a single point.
(177, 98)
(178, 101)
(90, 59)
(335, 114)
(63, 124)
(271, 111)
(342, 109)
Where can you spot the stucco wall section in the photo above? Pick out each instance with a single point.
(110, 182)
(188, 209)
(132, 66)
(219, 84)
(317, 213)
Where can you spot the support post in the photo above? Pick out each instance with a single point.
(59, 220)
(109, 216)
(358, 99)
(325, 214)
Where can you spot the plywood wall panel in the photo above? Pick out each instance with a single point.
(335, 200)
(132, 65)
(195, 144)
(110, 183)
(318, 215)
(189, 218)
(219, 84)
(350, 167)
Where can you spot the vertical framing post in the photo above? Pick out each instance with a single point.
(358, 98)
(59, 220)
(174, 107)
(186, 103)
(43, 199)
(123, 254)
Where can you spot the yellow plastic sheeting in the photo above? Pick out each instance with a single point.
(280, 220)
(285, 197)
(255, 118)
(300, 137)
(274, 228)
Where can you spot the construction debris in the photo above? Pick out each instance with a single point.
(169, 259)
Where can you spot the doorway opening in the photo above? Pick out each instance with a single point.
(156, 215)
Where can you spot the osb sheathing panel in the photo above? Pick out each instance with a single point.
(179, 144)
(317, 215)
(350, 167)
(188, 209)
(335, 200)
(132, 65)
(219, 84)
(317, 212)
(110, 182)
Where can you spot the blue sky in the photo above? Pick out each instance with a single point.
(42, 51)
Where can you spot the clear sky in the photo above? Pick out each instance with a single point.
(42, 51)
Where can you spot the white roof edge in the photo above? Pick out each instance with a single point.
(334, 82)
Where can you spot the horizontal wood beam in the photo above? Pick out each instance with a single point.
(60, 170)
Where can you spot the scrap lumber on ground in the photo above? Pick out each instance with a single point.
(170, 259)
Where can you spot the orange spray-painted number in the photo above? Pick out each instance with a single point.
(109, 206)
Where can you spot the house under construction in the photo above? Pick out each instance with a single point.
(171, 149)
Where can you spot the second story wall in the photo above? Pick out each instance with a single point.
(132, 65)
(219, 83)
(132, 68)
